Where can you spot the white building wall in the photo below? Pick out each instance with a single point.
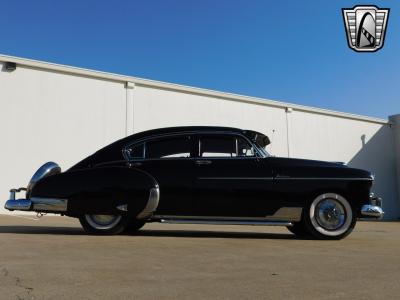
(359, 144)
(51, 112)
(156, 108)
(51, 116)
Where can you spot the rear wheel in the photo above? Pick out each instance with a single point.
(329, 217)
(103, 224)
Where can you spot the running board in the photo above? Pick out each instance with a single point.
(223, 222)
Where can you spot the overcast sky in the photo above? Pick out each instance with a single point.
(293, 51)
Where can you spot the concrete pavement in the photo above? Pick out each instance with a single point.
(52, 258)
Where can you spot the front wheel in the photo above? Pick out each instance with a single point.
(329, 217)
(104, 224)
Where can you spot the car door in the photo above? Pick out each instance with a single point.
(168, 160)
(232, 179)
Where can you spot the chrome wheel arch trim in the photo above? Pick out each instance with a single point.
(348, 214)
(151, 205)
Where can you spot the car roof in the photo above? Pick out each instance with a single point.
(166, 130)
(115, 149)
(178, 129)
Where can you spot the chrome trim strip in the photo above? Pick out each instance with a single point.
(280, 178)
(185, 158)
(235, 178)
(151, 204)
(176, 217)
(322, 178)
(199, 148)
(284, 214)
(225, 222)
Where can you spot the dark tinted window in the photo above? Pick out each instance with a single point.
(225, 146)
(168, 148)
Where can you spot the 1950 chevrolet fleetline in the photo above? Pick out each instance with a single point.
(211, 175)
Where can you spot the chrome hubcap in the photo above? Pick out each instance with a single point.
(330, 214)
(103, 222)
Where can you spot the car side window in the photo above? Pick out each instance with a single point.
(224, 146)
(173, 147)
(244, 148)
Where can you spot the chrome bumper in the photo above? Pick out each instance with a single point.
(37, 204)
(373, 209)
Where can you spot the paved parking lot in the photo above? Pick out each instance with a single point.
(52, 258)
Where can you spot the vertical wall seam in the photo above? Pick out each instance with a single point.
(288, 110)
(126, 109)
(129, 86)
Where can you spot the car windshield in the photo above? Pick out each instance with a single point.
(264, 152)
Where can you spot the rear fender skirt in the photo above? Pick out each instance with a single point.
(102, 190)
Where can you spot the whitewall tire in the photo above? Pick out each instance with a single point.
(103, 224)
(329, 216)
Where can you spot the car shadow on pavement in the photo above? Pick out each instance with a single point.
(21, 229)
(49, 230)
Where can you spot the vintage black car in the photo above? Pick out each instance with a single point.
(211, 175)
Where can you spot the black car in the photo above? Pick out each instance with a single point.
(211, 175)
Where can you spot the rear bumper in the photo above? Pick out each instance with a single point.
(20, 204)
(373, 209)
(37, 204)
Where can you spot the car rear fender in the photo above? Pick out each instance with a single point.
(103, 190)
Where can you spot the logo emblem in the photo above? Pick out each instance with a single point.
(365, 27)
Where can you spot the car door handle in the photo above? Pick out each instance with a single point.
(203, 162)
(135, 164)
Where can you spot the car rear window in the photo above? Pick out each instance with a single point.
(224, 146)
